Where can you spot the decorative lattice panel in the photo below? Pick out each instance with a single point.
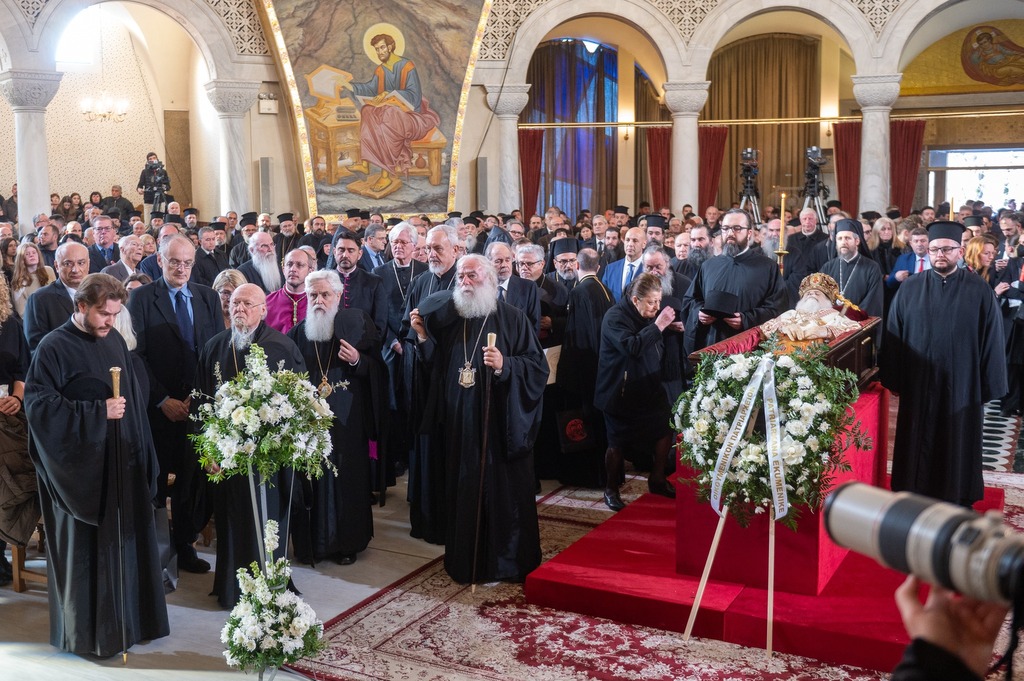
(243, 21)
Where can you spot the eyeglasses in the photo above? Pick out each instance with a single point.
(945, 250)
(733, 229)
(241, 303)
(176, 264)
(528, 264)
(567, 261)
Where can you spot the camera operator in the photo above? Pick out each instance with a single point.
(952, 636)
(154, 182)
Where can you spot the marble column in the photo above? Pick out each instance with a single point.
(29, 93)
(507, 101)
(685, 100)
(232, 101)
(875, 95)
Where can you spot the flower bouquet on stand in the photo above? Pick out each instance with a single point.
(257, 424)
(788, 462)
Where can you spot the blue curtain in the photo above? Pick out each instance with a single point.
(571, 84)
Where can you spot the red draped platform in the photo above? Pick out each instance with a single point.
(643, 566)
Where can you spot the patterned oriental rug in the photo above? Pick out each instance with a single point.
(427, 627)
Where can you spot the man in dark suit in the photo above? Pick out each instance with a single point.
(210, 260)
(104, 252)
(911, 263)
(172, 319)
(375, 241)
(363, 291)
(52, 305)
(514, 290)
(131, 253)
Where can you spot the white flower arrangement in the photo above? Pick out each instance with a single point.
(816, 424)
(270, 626)
(266, 420)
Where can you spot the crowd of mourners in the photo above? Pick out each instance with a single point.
(595, 319)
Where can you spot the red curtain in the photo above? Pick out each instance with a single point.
(531, 151)
(905, 141)
(847, 157)
(659, 157)
(711, 144)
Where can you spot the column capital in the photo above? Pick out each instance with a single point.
(29, 90)
(508, 100)
(232, 98)
(684, 97)
(877, 91)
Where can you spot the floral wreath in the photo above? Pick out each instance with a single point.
(791, 461)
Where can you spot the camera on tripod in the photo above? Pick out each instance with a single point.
(976, 555)
(815, 157)
(748, 156)
(155, 164)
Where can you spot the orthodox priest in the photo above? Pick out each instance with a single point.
(488, 399)
(741, 276)
(426, 458)
(221, 360)
(341, 348)
(70, 408)
(944, 357)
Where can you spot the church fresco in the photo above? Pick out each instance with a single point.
(980, 58)
(378, 94)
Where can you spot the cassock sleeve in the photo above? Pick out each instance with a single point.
(520, 387)
(69, 436)
(892, 340)
(993, 352)
(924, 661)
(771, 304)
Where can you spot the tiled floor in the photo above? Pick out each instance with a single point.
(193, 650)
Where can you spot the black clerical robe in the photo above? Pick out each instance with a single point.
(236, 529)
(340, 519)
(577, 374)
(860, 282)
(753, 278)
(509, 546)
(944, 356)
(426, 490)
(73, 448)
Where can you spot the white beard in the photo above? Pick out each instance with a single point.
(480, 303)
(242, 338)
(320, 324)
(666, 284)
(266, 266)
(808, 304)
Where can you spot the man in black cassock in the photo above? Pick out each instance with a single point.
(741, 271)
(859, 277)
(342, 351)
(426, 459)
(233, 513)
(577, 369)
(944, 357)
(70, 405)
(451, 335)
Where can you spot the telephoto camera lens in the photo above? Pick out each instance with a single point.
(941, 543)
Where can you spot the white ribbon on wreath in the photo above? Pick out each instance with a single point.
(764, 380)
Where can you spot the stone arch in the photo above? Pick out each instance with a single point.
(35, 47)
(841, 15)
(643, 16)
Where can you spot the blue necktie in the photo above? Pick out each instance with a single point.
(501, 294)
(629, 277)
(184, 323)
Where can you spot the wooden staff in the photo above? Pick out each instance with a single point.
(771, 582)
(707, 573)
(491, 338)
(115, 379)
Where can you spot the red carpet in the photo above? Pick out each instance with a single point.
(830, 604)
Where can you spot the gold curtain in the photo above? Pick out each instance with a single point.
(648, 108)
(766, 76)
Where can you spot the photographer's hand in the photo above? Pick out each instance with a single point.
(963, 626)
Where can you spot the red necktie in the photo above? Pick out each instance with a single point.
(920, 264)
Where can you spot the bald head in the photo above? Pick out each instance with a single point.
(634, 243)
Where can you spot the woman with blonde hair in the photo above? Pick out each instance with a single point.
(29, 275)
(225, 284)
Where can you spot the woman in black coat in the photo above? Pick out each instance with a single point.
(629, 385)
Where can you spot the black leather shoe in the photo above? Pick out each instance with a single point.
(190, 562)
(347, 559)
(662, 487)
(613, 501)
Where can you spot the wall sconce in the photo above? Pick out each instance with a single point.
(104, 109)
